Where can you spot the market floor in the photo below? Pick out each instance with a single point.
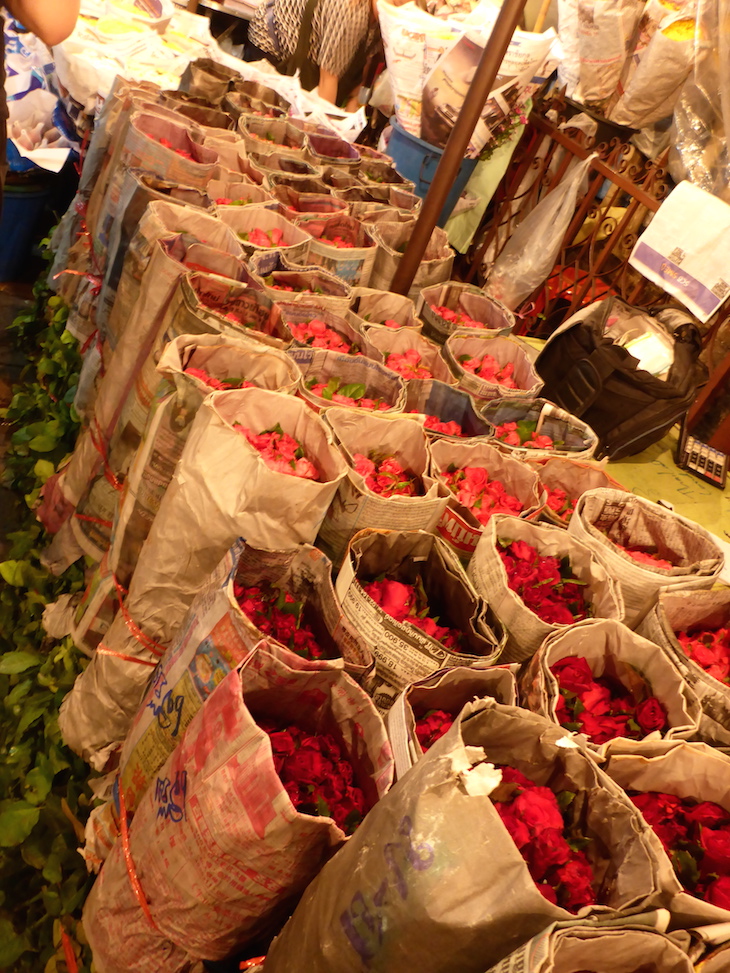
(14, 298)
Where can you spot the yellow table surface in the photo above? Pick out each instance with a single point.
(653, 474)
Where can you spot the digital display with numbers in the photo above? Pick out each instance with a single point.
(702, 460)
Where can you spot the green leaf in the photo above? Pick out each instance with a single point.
(43, 469)
(14, 572)
(355, 390)
(565, 799)
(52, 871)
(19, 661)
(37, 785)
(43, 443)
(12, 946)
(16, 823)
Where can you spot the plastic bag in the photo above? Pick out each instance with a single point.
(531, 251)
(702, 113)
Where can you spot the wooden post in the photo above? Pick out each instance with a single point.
(461, 133)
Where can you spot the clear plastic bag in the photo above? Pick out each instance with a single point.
(531, 251)
(702, 113)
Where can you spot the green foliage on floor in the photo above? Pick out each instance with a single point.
(44, 797)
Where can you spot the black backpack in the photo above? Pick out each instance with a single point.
(590, 374)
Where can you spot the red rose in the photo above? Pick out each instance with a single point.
(538, 808)
(716, 846)
(718, 892)
(546, 850)
(307, 766)
(573, 673)
(707, 813)
(547, 892)
(663, 812)
(519, 832)
(596, 699)
(651, 715)
(601, 729)
(576, 883)
(511, 775)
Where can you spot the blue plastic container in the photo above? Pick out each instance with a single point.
(23, 207)
(418, 160)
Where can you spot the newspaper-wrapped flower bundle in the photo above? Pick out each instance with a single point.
(431, 817)
(406, 592)
(533, 428)
(564, 481)
(169, 893)
(618, 526)
(513, 556)
(693, 628)
(601, 679)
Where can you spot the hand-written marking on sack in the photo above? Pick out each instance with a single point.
(364, 921)
(170, 796)
(166, 707)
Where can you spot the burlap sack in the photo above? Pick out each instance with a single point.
(571, 436)
(504, 350)
(392, 238)
(694, 611)
(459, 527)
(465, 299)
(448, 690)
(214, 638)
(216, 854)
(572, 476)
(585, 947)
(403, 653)
(173, 408)
(446, 404)
(604, 520)
(280, 279)
(398, 341)
(357, 915)
(294, 244)
(687, 770)
(610, 648)
(525, 631)
(354, 263)
(319, 366)
(355, 506)
(221, 490)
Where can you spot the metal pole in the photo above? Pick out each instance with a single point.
(453, 156)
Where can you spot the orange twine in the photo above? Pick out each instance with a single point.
(129, 862)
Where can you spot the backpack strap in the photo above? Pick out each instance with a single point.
(300, 56)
